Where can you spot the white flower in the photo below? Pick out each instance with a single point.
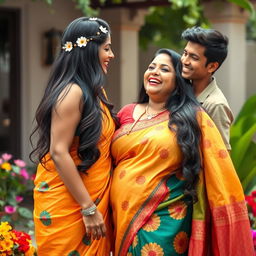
(103, 30)
(93, 18)
(81, 41)
(68, 46)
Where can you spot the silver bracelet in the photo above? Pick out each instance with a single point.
(89, 211)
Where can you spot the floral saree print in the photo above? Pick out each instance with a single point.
(150, 212)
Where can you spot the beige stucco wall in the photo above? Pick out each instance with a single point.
(250, 68)
(36, 19)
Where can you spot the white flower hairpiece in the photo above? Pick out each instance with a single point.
(68, 46)
(93, 18)
(81, 41)
(103, 29)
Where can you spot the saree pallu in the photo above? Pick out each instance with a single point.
(59, 228)
(220, 224)
(145, 158)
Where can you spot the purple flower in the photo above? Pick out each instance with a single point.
(9, 209)
(19, 198)
(6, 157)
(24, 174)
(1, 161)
(20, 163)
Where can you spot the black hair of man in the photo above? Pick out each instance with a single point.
(215, 43)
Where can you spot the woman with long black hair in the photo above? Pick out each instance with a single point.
(174, 189)
(74, 125)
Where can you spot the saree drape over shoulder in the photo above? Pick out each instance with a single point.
(148, 162)
(60, 229)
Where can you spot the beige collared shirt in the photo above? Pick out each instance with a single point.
(215, 104)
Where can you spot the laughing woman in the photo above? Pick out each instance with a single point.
(174, 188)
(75, 127)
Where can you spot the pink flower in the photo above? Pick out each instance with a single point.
(6, 156)
(10, 209)
(19, 198)
(1, 161)
(254, 234)
(20, 163)
(24, 174)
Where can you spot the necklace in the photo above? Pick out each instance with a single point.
(135, 122)
(150, 116)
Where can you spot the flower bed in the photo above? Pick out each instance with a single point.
(14, 183)
(13, 242)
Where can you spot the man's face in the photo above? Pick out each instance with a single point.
(194, 62)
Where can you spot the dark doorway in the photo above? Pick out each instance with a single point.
(10, 96)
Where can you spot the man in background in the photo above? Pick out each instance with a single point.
(204, 53)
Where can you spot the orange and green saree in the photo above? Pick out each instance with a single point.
(59, 226)
(150, 212)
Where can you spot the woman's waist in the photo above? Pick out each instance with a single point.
(129, 181)
(130, 170)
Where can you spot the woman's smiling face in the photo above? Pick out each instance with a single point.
(159, 78)
(105, 54)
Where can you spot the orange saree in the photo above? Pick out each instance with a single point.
(59, 226)
(145, 159)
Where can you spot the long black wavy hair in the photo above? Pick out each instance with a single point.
(79, 66)
(183, 108)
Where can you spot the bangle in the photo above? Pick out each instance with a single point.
(89, 211)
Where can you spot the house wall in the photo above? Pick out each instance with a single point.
(250, 68)
(36, 18)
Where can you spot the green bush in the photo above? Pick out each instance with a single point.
(242, 139)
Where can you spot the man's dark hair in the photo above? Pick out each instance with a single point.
(216, 44)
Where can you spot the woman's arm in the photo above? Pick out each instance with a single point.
(65, 118)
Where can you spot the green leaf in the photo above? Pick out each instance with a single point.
(247, 180)
(247, 108)
(247, 5)
(6, 218)
(16, 169)
(30, 224)
(25, 212)
(164, 25)
(249, 162)
(2, 203)
(240, 149)
(84, 6)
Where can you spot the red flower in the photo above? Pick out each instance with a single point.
(23, 240)
(251, 201)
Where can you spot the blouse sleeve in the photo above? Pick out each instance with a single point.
(125, 114)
